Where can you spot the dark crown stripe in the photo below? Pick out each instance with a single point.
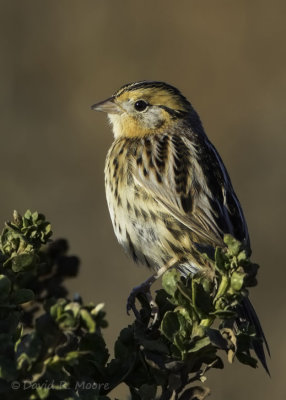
(152, 84)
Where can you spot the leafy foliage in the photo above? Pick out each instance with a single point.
(53, 348)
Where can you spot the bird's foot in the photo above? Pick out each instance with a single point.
(145, 289)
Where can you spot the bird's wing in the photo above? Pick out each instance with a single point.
(185, 174)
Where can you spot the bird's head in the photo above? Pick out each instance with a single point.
(144, 108)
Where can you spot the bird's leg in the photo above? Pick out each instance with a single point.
(145, 288)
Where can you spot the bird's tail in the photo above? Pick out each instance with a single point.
(248, 314)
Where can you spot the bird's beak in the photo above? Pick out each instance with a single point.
(109, 106)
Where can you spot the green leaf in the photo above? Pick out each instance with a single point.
(199, 344)
(23, 262)
(28, 215)
(184, 319)
(74, 307)
(89, 321)
(207, 286)
(23, 296)
(65, 344)
(72, 357)
(28, 351)
(43, 392)
(237, 280)
(183, 297)
(163, 301)
(216, 338)
(180, 342)
(35, 216)
(170, 280)
(203, 301)
(56, 309)
(170, 325)
(199, 331)
(224, 314)
(67, 321)
(234, 246)
(242, 256)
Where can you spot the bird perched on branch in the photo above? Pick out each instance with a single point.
(169, 195)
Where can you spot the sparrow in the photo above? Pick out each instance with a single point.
(169, 194)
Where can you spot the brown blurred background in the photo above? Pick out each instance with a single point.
(228, 57)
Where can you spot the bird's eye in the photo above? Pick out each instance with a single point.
(140, 105)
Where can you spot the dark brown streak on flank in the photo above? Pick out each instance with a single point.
(175, 249)
(181, 171)
(153, 216)
(158, 177)
(131, 247)
(162, 153)
(137, 213)
(181, 164)
(144, 214)
(128, 206)
(177, 234)
(147, 145)
(211, 168)
(187, 203)
(114, 167)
